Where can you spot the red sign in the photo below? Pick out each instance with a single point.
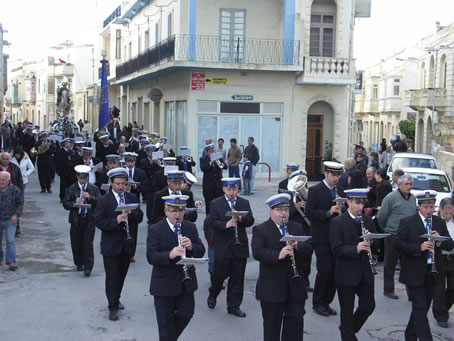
(198, 81)
(411, 116)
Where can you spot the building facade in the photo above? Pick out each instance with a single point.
(433, 96)
(279, 71)
(380, 103)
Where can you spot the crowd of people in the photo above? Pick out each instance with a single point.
(104, 179)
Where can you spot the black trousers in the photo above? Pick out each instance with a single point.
(82, 237)
(44, 176)
(351, 322)
(209, 194)
(443, 298)
(116, 268)
(324, 288)
(64, 184)
(173, 314)
(149, 199)
(307, 260)
(287, 316)
(389, 269)
(418, 327)
(234, 269)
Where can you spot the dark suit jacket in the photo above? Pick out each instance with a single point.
(113, 236)
(319, 202)
(72, 193)
(167, 277)
(212, 175)
(158, 206)
(159, 181)
(65, 162)
(413, 261)
(189, 165)
(102, 151)
(275, 283)
(224, 244)
(283, 184)
(344, 237)
(138, 176)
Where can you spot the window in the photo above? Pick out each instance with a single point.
(232, 35)
(146, 40)
(396, 80)
(396, 90)
(375, 92)
(130, 50)
(39, 86)
(169, 110)
(170, 25)
(156, 33)
(139, 43)
(322, 35)
(118, 44)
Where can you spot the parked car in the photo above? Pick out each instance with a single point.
(435, 179)
(411, 160)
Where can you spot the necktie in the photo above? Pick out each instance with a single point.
(174, 193)
(333, 193)
(175, 231)
(185, 166)
(357, 220)
(120, 202)
(130, 173)
(282, 228)
(429, 254)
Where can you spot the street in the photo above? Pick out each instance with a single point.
(46, 299)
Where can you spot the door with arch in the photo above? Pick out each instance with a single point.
(314, 151)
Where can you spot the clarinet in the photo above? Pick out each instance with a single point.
(185, 267)
(369, 253)
(296, 275)
(429, 225)
(237, 240)
(126, 227)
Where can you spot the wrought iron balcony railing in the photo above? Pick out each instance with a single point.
(215, 50)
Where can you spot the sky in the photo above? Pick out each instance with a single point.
(35, 25)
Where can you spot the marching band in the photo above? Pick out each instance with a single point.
(105, 191)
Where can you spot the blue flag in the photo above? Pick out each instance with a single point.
(104, 115)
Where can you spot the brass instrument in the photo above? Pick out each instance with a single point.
(296, 275)
(429, 226)
(297, 185)
(185, 267)
(369, 253)
(42, 148)
(159, 162)
(220, 164)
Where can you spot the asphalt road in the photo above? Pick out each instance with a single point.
(46, 299)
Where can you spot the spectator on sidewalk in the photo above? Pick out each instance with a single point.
(11, 206)
(233, 159)
(253, 155)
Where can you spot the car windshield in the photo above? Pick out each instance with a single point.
(422, 181)
(400, 162)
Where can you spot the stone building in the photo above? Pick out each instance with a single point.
(281, 71)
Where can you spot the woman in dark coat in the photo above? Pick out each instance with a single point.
(383, 185)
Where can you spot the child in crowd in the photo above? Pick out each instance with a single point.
(247, 175)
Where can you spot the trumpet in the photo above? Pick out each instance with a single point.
(185, 267)
(159, 162)
(219, 163)
(297, 185)
(369, 253)
(431, 253)
(296, 275)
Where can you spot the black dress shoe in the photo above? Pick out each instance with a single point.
(321, 311)
(211, 302)
(43, 191)
(87, 272)
(49, 191)
(80, 268)
(121, 306)
(133, 260)
(113, 315)
(391, 295)
(236, 312)
(331, 311)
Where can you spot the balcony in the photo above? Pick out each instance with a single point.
(213, 52)
(60, 70)
(427, 98)
(328, 70)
